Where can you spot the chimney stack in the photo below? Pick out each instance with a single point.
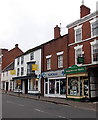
(84, 10)
(56, 32)
(16, 45)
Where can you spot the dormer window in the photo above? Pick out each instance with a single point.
(78, 33)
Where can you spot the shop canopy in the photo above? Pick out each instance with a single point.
(74, 69)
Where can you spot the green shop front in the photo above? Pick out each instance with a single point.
(77, 83)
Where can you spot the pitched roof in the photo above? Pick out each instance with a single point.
(10, 56)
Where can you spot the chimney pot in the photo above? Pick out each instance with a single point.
(16, 45)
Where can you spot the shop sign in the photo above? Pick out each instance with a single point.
(59, 73)
(34, 67)
(80, 60)
(74, 69)
(12, 72)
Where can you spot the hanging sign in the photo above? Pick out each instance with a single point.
(12, 72)
(34, 67)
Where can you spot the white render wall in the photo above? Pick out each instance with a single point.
(6, 77)
(37, 58)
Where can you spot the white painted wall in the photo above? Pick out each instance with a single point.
(37, 58)
(7, 77)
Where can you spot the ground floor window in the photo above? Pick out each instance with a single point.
(33, 84)
(18, 84)
(78, 86)
(55, 86)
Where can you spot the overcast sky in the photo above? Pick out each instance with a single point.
(30, 23)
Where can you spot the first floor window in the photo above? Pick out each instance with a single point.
(22, 70)
(95, 52)
(18, 72)
(78, 53)
(60, 61)
(78, 34)
(48, 63)
(95, 28)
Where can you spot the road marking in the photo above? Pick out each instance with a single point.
(38, 110)
(61, 117)
(64, 117)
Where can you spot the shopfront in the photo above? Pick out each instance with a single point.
(55, 84)
(77, 82)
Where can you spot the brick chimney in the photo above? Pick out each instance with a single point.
(16, 45)
(84, 11)
(56, 32)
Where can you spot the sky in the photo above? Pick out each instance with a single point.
(30, 23)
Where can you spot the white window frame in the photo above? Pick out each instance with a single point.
(48, 65)
(60, 61)
(78, 27)
(60, 54)
(32, 55)
(91, 22)
(76, 48)
(92, 44)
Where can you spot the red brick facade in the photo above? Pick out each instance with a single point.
(9, 56)
(53, 47)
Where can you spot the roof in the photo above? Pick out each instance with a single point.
(10, 56)
(40, 46)
(86, 18)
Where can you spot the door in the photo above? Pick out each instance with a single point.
(57, 87)
(6, 86)
(84, 88)
(26, 86)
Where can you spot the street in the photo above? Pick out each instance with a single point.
(17, 107)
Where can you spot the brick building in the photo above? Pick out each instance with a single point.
(8, 64)
(54, 61)
(82, 78)
(2, 52)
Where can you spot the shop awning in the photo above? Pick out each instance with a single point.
(25, 77)
(75, 69)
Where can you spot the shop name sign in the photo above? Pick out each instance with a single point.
(74, 69)
(51, 74)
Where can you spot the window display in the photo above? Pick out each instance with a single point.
(73, 86)
(62, 87)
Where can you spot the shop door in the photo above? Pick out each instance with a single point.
(84, 89)
(57, 87)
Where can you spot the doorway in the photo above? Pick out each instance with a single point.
(26, 86)
(57, 87)
(6, 86)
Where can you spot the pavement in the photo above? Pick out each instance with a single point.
(63, 101)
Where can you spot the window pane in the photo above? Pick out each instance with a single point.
(78, 34)
(48, 64)
(51, 86)
(73, 86)
(60, 61)
(95, 28)
(95, 52)
(31, 55)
